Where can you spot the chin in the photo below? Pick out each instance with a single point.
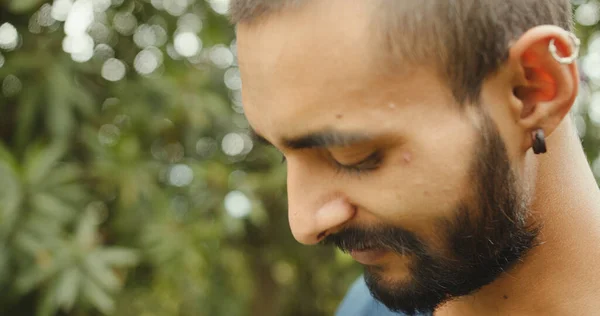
(399, 291)
(395, 271)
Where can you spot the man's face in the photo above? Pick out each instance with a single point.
(388, 167)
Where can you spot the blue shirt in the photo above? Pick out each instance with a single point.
(359, 302)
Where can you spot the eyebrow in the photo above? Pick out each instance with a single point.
(320, 139)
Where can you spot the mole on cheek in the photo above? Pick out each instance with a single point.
(339, 116)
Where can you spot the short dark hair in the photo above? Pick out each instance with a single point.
(466, 40)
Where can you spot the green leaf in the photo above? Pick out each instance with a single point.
(49, 229)
(59, 119)
(7, 159)
(75, 193)
(4, 266)
(101, 273)
(22, 6)
(53, 207)
(67, 288)
(119, 256)
(85, 235)
(11, 198)
(49, 262)
(26, 115)
(98, 297)
(63, 174)
(32, 277)
(48, 306)
(28, 244)
(40, 160)
(84, 101)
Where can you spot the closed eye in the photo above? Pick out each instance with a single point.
(370, 163)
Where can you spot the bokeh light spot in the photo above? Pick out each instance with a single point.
(237, 178)
(187, 44)
(233, 79)
(124, 23)
(44, 15)
(157, 4)
(233, 48)
(103, 52)
(60, 9)
(189, 22)
(99, 32)
(83, 56)
(596, 167)
(594, 110)
(109, 134)
(175, 7)
(34, 27)
(101, 5)
(160, 35)
(237, 204)
(11, 86)
(591, 66)
(80, 18)
(80, 46)
(113, 70)
(588, 13)
(144, 36)
(221, 56)
(232, 144)
(180, 206)
(206, 147)
(172, 52)
(147, 61)
(219, 6)
(9, 37)
(181, 175)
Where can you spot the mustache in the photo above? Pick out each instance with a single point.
(391, 238)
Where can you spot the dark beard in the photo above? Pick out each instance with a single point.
(487, 236)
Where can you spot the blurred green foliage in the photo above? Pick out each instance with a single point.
(112, 191)
(128, 182)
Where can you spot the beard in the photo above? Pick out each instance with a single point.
(486, 235)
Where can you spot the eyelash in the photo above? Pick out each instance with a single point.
(369, 164)
(373, 161)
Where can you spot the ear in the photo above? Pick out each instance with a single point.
(544, 89)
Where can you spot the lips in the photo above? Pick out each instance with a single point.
(368, 256)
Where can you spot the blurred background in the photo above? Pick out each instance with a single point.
(129, 184)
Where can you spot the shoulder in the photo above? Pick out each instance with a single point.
(359, 302)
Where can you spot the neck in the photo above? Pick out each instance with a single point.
(558, 276)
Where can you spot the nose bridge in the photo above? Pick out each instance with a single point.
(316, 203)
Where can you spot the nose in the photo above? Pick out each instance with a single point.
(310, 226)
(310, 216)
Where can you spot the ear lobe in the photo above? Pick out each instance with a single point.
(545, 88)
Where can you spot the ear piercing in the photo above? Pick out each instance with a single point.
(539, 142)
(539, 139)
(565, 60)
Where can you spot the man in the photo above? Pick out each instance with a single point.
(430, 140)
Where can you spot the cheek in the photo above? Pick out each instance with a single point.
(416, 186)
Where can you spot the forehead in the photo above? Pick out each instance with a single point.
(303, 68)
(322, 33)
